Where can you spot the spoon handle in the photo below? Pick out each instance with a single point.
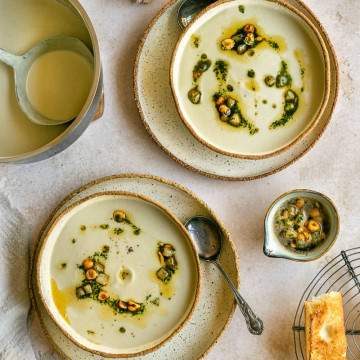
(254, 324)
(8, 58)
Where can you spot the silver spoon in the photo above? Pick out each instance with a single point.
(188, 9)
(207, 236)
(22, 64)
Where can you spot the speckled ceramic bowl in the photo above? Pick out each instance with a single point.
(57, 283)
(160, 117)
(216, 305)
(298, 42)
(273, 247)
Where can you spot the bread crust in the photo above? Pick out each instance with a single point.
(324, 328)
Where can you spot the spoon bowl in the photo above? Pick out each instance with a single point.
(207, 237)
(21, 65)
(188, 9)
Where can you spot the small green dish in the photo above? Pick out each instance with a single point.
(273, 246)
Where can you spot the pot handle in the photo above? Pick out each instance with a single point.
(100, 109)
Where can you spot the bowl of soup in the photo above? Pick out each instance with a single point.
(250, 78)
(118, 273)
(59, 85)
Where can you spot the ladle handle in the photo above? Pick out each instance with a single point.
(8, 58)
(254, 324)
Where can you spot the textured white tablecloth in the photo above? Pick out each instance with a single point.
(119, 143)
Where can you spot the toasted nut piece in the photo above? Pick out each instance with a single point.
(300, 203)
(99, 267)
(91, 274)
(220, 100)
(307, 235)
(289, 107)
(88, 289)
(133, 306)
(290, 96)
(314, 213)
(285, 214)
(259, 38)
(119, 215)
(102, 279)
(301, 237)
(194, 95)
(313, 226)
(241, 49)
(227, 44)
(103, 295)
(270, 80)
(122, 305)
(161, 258)
(88, 264)
(249, 28)
(171, 263)
(223, 109)
(168, 250)
(80, 292)
(235, 120)
(230, 102)
(249, 39)
(162, 274)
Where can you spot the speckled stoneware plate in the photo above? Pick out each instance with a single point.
(273, 78)
(215, 305)
(115, 305)
(158, 110)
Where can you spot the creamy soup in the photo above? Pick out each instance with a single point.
(58, 84)
(249, 78)
(123, 281)
(34, 20)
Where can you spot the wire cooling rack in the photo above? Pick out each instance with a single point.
(341, 274)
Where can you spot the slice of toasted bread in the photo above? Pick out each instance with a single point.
(324, 328)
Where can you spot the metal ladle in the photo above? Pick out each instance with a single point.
(207, 236)
(188, 9)
(22, 64)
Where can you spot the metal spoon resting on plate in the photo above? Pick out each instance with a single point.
(207, 237)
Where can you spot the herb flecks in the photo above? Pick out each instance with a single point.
(230, 113)
(94, 281)
(221, 70)
(244, 39)
(120, 216)
(283, 78)
(201, 67)
(291, 104)
(241, 9)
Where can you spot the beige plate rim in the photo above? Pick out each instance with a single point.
(170, 183)
(117, 194)
(312, 123)
(212, 174)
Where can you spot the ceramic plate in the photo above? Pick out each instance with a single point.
(275, 88)
(158, 111)
(114, 303)
(215, 305)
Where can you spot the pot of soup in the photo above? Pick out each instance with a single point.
(51, 84)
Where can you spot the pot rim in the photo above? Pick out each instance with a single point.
(76, 6)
